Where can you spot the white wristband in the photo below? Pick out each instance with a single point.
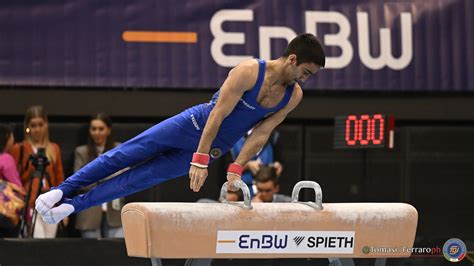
(202, 166)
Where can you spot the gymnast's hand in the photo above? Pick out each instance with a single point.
(231, 177)
(234, 172)
(197, 177)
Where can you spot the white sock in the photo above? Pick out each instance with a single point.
(56, 214)
(47, 200)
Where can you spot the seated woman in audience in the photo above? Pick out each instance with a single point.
(99, 220)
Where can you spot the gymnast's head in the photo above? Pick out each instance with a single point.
(303, 57)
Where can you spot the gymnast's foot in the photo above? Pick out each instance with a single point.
(57, 214)
(46, 201)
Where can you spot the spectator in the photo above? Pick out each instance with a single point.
(99, 220)
(37, 136)
(268, 185)
(9, 173)
(266, 157)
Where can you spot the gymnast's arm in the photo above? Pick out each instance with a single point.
(239, 80)
(262, 132)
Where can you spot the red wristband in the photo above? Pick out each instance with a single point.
(235, 169)
(200, 159)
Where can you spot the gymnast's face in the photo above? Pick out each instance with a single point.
(266, 190)
(99, 132)
(299, 73)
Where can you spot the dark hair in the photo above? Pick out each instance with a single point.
(109, 143)
(307, 49)
(267, 173)
(5, 134)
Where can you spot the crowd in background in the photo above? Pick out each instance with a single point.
(34, 165)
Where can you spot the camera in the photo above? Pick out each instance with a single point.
(40, 160)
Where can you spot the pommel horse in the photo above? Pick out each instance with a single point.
(269, 230)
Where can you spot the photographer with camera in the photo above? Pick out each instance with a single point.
(40, 167)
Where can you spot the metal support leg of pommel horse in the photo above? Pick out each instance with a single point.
(338, 231)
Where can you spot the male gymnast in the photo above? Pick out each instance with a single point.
(256, 94)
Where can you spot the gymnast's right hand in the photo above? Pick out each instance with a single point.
(197, 177)
(198, 170)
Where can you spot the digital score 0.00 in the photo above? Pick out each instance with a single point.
(362, 131)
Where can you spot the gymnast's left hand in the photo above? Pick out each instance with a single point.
(197, 177)
(231, 178)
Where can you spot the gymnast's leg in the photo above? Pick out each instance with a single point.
(162, 168)
(158, 139)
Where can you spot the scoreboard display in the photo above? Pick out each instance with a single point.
(364, 131)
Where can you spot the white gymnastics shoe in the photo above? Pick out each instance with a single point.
(57, 214)
(46, 201)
